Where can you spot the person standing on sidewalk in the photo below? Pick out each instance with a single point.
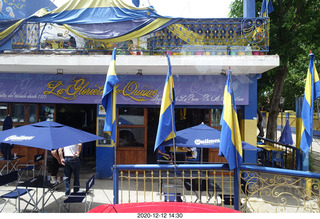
(69, 157)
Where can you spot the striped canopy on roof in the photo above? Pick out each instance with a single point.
(101, 20)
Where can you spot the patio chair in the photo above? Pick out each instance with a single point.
(31, 166)
(15, 194)
(85, 197)
(278, 158)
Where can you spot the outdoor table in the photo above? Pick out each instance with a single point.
(41, 182)
(10, 165)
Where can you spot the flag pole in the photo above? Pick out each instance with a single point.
(236, 183)
(173, 131)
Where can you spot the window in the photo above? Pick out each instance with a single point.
(46, 113)
(131, 129)
(18, 113)
(3, 111)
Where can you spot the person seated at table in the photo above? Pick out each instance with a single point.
(164, 156)
(69, 157)
(192, 153)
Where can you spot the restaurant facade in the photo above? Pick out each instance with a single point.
(66, 85)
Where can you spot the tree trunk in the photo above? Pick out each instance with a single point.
(274, 103)
(259, 124)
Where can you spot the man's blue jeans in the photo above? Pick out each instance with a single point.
(72, 165)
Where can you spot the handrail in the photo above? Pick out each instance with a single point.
(276, 142)
(280, 171)
(217, 167)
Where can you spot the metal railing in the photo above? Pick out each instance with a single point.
(262, 189)
(234, 36)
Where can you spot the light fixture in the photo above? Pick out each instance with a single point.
(139, 72)
(59, 71)
(223, 72)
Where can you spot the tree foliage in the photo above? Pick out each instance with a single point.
(293, 32)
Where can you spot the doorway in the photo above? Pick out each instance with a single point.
(184, 118)
(83, 117)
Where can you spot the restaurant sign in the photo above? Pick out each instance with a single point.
(132, 89)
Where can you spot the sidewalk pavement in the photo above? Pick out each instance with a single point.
(103, 194)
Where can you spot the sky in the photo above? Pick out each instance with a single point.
(185, 8)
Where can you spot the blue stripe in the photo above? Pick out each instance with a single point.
(227, 147)
(307, 108)
(107, 97)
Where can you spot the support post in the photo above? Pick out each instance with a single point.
(249, 8)
(115, 186)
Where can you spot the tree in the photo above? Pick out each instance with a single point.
(293, 32)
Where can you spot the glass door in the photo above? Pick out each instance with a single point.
(131, 135)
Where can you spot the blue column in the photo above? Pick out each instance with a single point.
(249, 8)
(104, 162)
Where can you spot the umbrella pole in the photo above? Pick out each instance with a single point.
(44, 177)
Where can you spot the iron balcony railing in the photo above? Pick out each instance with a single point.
(238, 36)
(261, 189)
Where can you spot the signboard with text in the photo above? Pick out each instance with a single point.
(131, 90)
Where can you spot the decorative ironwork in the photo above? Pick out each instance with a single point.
(186, 37)
(274, 193)
(262, 190)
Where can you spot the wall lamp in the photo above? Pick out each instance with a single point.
(223, 72)
(139, 72)
(59, 71)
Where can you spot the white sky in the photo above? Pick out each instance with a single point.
(185, 8)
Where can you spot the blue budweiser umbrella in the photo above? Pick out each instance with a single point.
(46, 135)
(200, 136)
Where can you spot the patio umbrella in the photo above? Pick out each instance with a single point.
(286, 135)
(200, 136)
(46, 135)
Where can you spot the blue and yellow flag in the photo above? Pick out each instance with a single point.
(230, 140)
(266, 8)
(109, 98)
(311, 93)
(166, 127)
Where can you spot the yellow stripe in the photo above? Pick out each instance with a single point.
(316, 76)
(307, 91)
(186, 35)
(232, 120)
(170, 136)
(112, 66)
(105, 146)
(9, 30)
(81, 4)
(141, 32)
(114, 91)
(167, 96)
(299, 131)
